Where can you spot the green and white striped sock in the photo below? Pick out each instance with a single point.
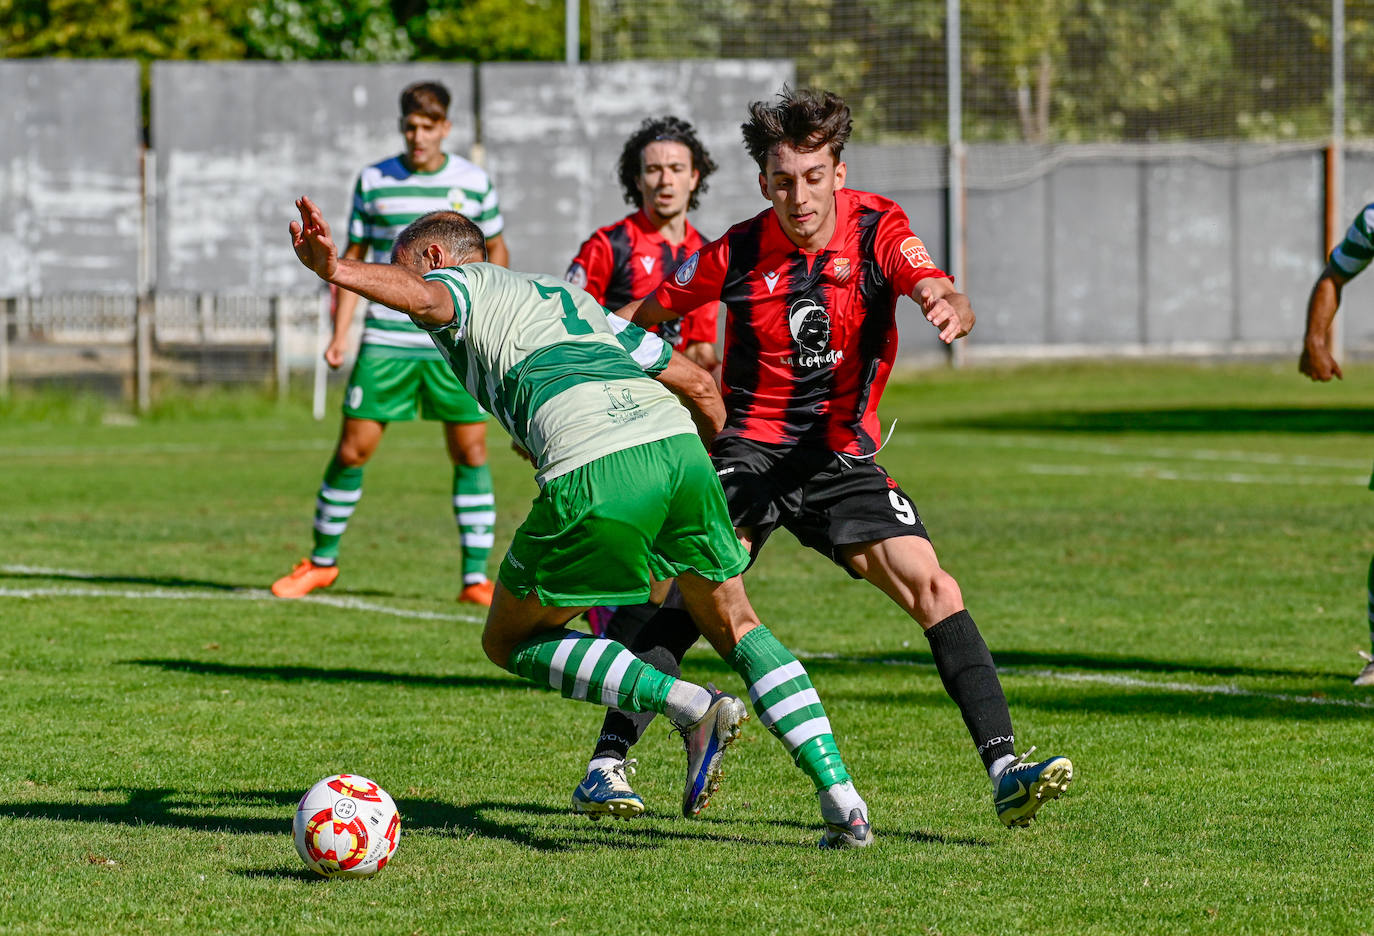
(593, 669)
(474, 509)
(338, 498)
(788, 706)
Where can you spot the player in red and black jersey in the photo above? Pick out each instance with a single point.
(811, 287)
(663, 170)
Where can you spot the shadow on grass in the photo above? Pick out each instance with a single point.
(528, 825)
(332, 674)
(168, 581)
(1182, 419)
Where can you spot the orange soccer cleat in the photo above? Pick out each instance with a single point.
(478, 593)
(304, 578)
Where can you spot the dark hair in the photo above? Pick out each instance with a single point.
(805, 120)
(459, 236)
(665, 129)
(429, 98)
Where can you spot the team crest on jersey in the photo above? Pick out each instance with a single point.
(576, 275)
(647, 263)
(684, 273)
(809, 324)
(841, 268)
(457, 198)
(915, 252)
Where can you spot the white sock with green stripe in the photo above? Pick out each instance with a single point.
(788, 706)
(602, 671)
(340, 492)
(474, 510)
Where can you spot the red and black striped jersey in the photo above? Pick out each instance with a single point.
(809, 337)
(624, 261)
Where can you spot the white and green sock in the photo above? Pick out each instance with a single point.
(340, 492)
(474, 510)
(602, 671)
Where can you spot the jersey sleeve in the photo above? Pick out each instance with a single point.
(699, 324)
(490, 219)
(591, 268)
(359, 222)
(698, 281)
(650, 352)
(459, 287)
(1354, 252)
(901, 255)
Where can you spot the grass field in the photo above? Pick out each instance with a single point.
(1167, 561)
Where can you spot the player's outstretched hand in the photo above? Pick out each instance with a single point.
(311, 241)
(1316, 362)
(954, 319)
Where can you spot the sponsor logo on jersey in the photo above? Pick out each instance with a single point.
(770, 280)
(809, 324)
(684, 273)
(647, 263)
(841, 268)
(915, 252)
(576, 275)
(623, 408)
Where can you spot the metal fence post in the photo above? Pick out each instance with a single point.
(143, 353)
(281, 363)
(955, 204)
(323, 335)
(5, 348)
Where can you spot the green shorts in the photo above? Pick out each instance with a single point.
(392, 388)
(595, 535)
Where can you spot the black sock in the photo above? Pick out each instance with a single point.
(970, 678)
(661, 641)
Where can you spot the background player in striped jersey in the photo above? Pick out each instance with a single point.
(398, 370)
(1318, 362)
(626, 490)
(663, 170)
(811, 288)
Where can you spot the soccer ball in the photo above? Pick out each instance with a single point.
(346, 826)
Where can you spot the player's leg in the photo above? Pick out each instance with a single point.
(443, 397)
(905, 568)
(474, 506)
(338, 496)
(1366, 677)
(587, 541)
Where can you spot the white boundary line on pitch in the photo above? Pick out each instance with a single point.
(237, 594)
(354, 604)
(196, 448)
(1129, 682)
(1156, 473)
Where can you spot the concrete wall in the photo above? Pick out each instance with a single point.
(553, 135)
(70, 208)
(236, 142)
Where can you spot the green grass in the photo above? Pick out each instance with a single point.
(1167, 561)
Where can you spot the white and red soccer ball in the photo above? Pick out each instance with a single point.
(346, 826)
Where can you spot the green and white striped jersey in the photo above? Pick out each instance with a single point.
(1354, 253)
(387, 197)
(569, 381)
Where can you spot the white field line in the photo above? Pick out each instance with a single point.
(1106, 679)
(198, 448)
(1179, 454)
(179, 594)
(1156, 473)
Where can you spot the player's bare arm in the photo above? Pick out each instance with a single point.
(428, 304)
(345, 304)
(702, 354)
(497, 251)
(945, 307)
(1317, 360)
(697, 390)
(645, 312)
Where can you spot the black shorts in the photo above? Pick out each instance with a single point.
(825, 499)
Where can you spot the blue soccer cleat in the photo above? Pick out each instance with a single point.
(606, 791)
(706, 741)
(1024, 787)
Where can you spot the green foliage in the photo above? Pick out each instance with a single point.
(489, 30)
(353, 31)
